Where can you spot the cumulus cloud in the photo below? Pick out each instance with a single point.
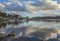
(43, 5)
(31, 6)
(50, 13)
(12, 6)
(17, 1)
(7, 3)
(2, 7)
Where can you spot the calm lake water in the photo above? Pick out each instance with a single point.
(15, 26)
(18, 27)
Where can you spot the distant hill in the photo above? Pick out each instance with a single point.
(46, 17)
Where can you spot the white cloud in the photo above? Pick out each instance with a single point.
(30, 6)
(17, 1)
(51, 13)
(14, 0)
(42, 5)
(13, 6)
(7, 3)
(2, 6)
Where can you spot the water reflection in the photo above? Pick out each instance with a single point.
(40, 24)
(44, 23)
(4, 23)
(28, 27)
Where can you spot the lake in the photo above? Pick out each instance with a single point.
(38, 24)
(21, 28)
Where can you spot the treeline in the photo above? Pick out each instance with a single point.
(5, 15)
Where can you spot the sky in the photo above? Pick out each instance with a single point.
(31, 7)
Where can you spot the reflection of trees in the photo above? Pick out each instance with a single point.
(27, 19)
(3, 14)
(2, 24)
(15, 23)
(15, 16)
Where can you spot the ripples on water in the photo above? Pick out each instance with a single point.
(22, 27)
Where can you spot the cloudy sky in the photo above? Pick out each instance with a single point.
(31, 7)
